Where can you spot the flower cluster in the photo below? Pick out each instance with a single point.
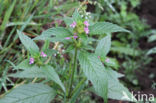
(73, 25)
(79, 27)
(43, 54)
(32, 60)
(86, 27)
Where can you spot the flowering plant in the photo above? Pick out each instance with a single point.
(67, 80)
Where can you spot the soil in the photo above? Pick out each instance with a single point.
(148, 12)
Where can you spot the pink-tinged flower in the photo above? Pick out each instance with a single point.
(73, 25)
(67, 38)
(99, 57)
(107, 60)
(43, 54)
(31, 60)
(86, 30)
(86, 23)
(75, 36)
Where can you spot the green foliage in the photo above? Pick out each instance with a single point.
(30, 93)
(152, 38)
(125, 50)
(24, 65)
(115, 89)
(112, 62)
(152, 51)
(28, 43)
(103, 46)
(105, 27)
(7, 16)
(32, 72)
(76, 16)
(95, 72)
(59, 32)
(50, 73)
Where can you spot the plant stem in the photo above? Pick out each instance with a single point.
(73, 71)
(79, 85)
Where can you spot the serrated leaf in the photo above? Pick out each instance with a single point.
(32, 72)
(103, 46)
(42, 72)
(28, 43)
(58, 32)
(50, 72)
(30, 93)
(111, 62)
(68, 20)
(24, 65)
(114, 73)
(116, 90)
(105, 28)
(95, 72)
(76, 16)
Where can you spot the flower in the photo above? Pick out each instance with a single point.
(75, 36)
(99, 57)
(86, 23)
(67, 38)
(86, 30)
(107, 60)
(31, 60)
(43, 54)
(73, 24)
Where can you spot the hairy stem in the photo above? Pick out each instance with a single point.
(72, 74)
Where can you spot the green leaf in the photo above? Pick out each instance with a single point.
(32, 72)
(28, 43)
(24, 65)
(152, 51)
(103, 46)
(30, 93)
(21, 23)
(105, 28)
(42, 72)
(152, 38)
(125, 50)
(115, 89)
(68, 20)
(50, 72)
(76, 16)
(58, 32)
(114, 73)
(111, 62)
(95, 72)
